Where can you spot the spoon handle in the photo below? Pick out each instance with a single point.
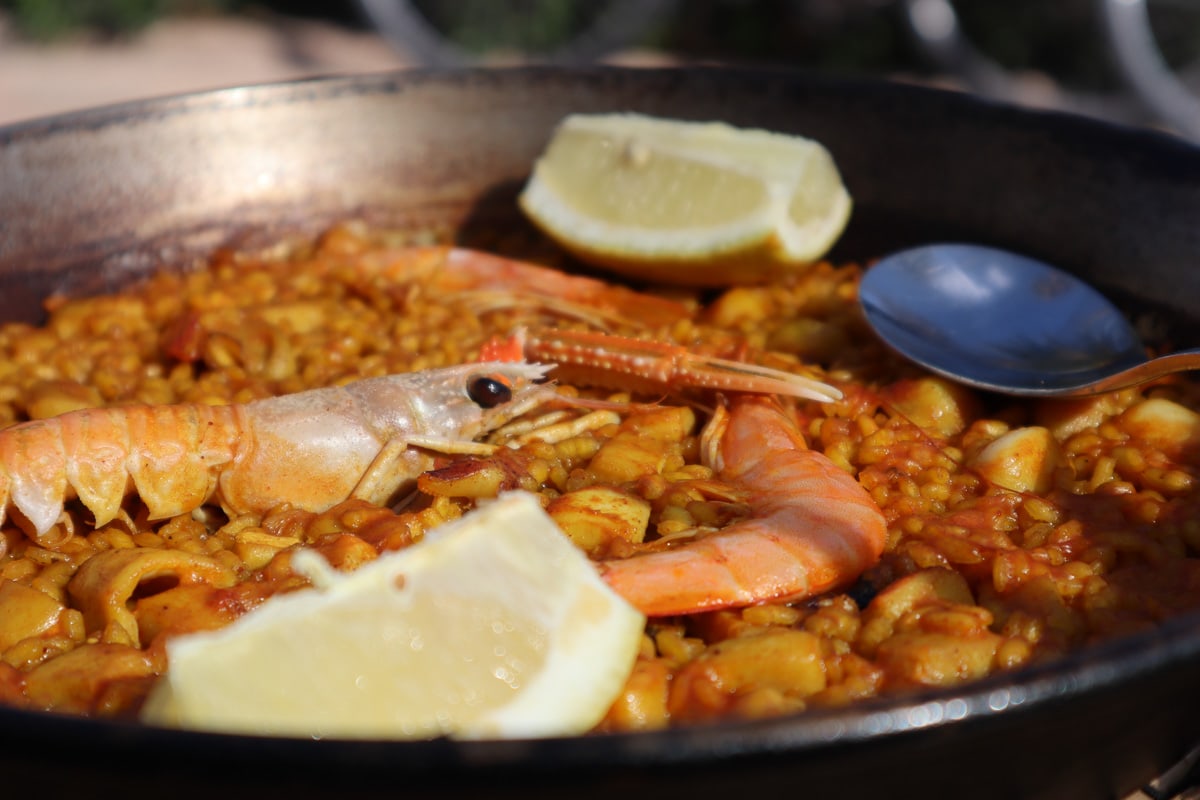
(1182, 361)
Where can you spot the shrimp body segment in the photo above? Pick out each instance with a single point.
(311, 449)
(813, 528)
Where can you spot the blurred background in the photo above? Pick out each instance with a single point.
(1135, 61)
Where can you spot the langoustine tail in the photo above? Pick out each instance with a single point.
(169, 454)
(34, 463)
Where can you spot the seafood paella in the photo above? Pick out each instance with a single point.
(804, 519)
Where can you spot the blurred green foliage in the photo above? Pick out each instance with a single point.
(480, 26)
(45, 20)
(850, 34)
(48, 19)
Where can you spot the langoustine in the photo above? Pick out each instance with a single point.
(312, 449)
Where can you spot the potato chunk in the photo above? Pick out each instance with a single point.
(1163, 424)
(935, 404)
(1023, 460)
(637, 450)
(78, 681)
(1067, 417)
(25, 612)
(765, 672)
(597, 515)
(933, 587)
(926, 630)
(927, 658)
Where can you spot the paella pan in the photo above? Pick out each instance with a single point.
(94, 200)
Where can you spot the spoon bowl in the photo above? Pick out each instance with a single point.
(1006, 323)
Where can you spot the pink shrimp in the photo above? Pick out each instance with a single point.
(311, 449)
(813, 527)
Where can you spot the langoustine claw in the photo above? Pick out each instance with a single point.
(600, 359)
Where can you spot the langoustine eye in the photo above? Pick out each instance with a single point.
(488, 392)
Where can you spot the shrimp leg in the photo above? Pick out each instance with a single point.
(386, 474)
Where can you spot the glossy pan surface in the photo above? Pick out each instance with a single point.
(90, 200)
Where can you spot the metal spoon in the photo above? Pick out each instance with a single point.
(1003, 322)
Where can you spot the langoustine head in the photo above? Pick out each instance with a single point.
(454, 403)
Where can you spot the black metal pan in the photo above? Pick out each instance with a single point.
(90, 200)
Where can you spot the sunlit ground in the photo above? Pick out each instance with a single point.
(176, 55)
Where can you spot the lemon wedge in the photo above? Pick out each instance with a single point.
(686, 202)
(493, 626)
